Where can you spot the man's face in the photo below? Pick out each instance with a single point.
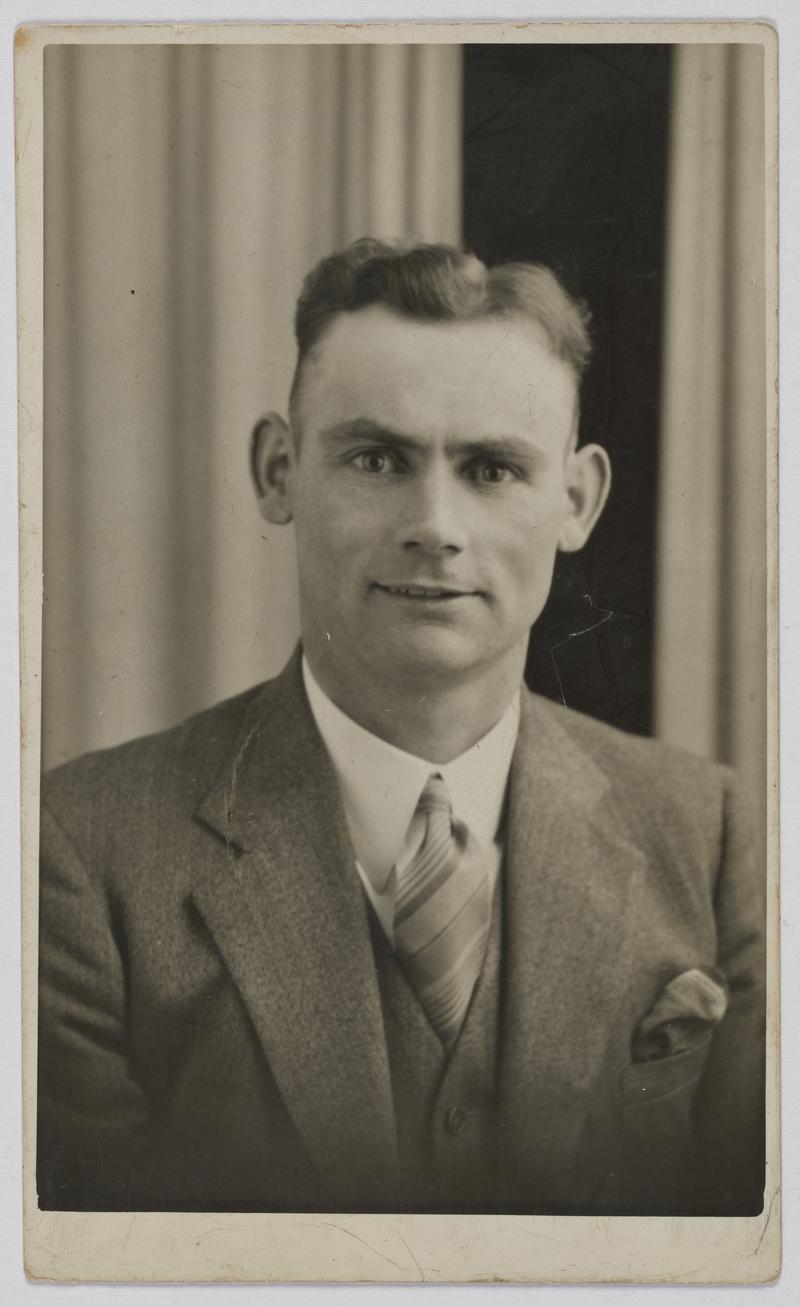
(429, 490)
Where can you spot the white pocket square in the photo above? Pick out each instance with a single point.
(685, 1013)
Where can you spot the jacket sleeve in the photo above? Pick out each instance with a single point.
(729, 1108)
(91, 1124)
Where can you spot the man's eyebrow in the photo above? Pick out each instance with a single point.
(514, 449)
(344, 433)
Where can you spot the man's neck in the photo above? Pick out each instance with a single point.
(437, 720)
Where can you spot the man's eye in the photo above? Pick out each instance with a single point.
(490, 472)
(373, 460)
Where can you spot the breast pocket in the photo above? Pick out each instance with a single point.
(648, 1082)
(652, 1164)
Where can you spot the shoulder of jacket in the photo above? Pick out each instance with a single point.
(670, 801)
(638, 760)
(192, 748)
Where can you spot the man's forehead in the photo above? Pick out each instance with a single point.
(489, 362)
(373, 332)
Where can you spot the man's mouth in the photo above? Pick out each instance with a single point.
(423, 591)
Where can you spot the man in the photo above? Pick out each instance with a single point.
(390, 933)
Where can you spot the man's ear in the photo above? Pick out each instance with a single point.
(588, 481)
(271, 463)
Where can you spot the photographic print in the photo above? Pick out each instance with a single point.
(398, 469)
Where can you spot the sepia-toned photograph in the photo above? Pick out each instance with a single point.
(406, 821)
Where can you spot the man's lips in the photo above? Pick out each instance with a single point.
(422, 590)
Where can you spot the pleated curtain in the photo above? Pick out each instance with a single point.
(711, 596)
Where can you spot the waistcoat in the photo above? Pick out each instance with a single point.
(444, 1107)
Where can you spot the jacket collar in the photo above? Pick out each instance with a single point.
(285, 905)
(570, 884)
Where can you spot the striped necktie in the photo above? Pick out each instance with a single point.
(442, 914)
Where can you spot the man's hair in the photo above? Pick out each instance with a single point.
(436, 283)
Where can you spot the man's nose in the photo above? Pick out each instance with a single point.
(434, 519)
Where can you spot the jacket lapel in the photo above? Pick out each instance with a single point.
(570, 877)
(285, 905)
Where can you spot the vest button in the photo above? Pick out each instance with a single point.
(455, 1120)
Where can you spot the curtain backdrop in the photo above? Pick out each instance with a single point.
(187, 192)
(188, 189)
(710, 671)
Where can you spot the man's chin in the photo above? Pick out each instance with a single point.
(428, 655)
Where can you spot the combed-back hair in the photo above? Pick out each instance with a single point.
(437, 283)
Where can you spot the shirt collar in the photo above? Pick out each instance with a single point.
(381, 784)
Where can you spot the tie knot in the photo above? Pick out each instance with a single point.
(435, 797)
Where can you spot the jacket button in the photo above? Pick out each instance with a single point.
(454, 1121)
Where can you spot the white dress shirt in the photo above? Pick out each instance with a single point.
(381, 785)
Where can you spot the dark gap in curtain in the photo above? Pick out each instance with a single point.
(564, 163)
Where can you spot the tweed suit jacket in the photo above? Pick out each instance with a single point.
(210, 1025)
